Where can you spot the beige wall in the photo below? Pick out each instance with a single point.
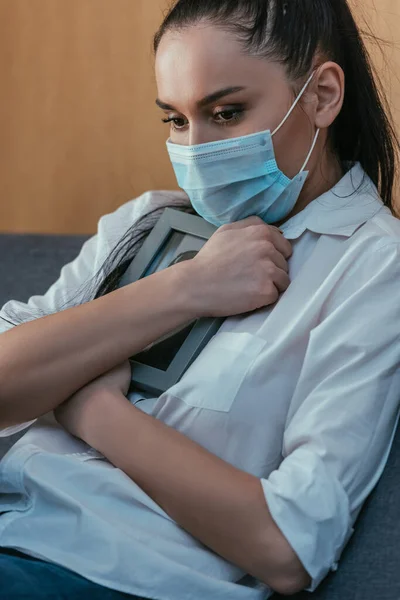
(79, 131)
(382, 19)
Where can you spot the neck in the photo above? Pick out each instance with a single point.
(322, 177)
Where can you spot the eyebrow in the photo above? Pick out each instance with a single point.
(207, 99)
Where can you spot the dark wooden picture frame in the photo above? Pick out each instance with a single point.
(177, 236)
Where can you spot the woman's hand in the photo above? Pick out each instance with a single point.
(76, 413)
(241, 268)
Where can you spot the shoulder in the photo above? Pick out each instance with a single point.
(364, 265)
(383, 228)
(368, 270)
(113, 225)
(76, 275)
(376, 244)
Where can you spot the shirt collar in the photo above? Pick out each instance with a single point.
(340, 211)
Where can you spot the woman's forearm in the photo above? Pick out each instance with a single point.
(217, 503)
(43, 362)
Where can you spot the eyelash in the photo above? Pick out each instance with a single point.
(238, 112)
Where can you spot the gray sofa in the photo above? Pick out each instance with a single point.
(370, 565)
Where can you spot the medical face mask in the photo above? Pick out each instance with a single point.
(232, 179)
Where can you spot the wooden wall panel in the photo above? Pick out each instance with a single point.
(381, 18)
(79, 131)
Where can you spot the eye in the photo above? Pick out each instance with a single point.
(229, 116)
(177, 122)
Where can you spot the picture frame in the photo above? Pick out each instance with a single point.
(177, 236)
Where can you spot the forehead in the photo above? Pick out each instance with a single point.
(198, 60)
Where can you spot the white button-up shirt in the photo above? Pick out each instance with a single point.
(303, 394)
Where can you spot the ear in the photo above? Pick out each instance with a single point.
(329, 85)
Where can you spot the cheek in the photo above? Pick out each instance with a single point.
(292, 143)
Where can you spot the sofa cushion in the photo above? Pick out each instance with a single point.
(30, 263)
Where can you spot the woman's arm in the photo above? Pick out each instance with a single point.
(220, 505)
(344, 411)
(43, 362)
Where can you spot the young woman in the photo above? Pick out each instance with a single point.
(248, 475)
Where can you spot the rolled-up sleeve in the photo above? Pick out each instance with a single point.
(343, 415)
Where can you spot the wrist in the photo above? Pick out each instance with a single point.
(111, 424)
(188, 289)
(98, 408)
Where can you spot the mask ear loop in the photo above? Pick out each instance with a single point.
(311, 151)
(295, 103)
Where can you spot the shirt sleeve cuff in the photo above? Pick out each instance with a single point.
(311, 509)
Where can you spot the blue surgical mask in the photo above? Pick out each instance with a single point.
(232, 179)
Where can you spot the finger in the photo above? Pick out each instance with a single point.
(278, 259)
(247, 222)
(281, 280)
(280, 242)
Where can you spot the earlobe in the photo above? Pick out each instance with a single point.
(329, 88)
